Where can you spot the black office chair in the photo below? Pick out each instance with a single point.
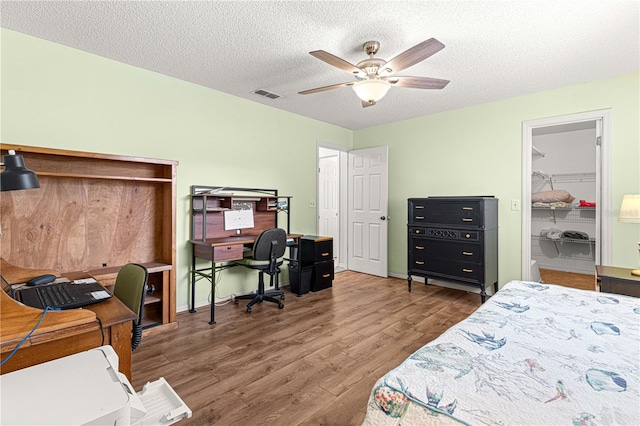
(267, 256)
(130, 287)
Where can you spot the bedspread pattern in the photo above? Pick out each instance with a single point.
(532, 354)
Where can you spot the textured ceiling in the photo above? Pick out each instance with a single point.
(494, 49)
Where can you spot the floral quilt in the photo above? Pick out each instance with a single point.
(533, 354)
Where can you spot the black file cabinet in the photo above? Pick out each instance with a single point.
(454, 239)
(317, 254)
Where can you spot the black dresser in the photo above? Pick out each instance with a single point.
(454, 239)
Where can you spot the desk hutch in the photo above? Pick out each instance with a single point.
(95, 213)
(211, 240)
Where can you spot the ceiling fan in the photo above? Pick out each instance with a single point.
(374, 76)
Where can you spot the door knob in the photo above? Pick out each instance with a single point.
(382, 218)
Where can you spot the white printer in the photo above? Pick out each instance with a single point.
(85, 389)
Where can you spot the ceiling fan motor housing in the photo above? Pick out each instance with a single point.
(371, 66)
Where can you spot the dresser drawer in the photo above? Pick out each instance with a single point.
(465, 271)
(446, 233)
(423, 248)
(453, 213)
(322, 276)
(449, 269)
(316, 250)
(442, 211)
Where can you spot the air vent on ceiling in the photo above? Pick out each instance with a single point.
(266, 94)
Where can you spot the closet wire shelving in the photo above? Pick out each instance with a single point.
(574, 213)
(587, 254)
(570, 213)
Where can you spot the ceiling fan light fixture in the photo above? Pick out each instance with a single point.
(371, 90)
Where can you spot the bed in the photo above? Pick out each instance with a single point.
(534, 354)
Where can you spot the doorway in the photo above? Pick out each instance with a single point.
(565, 192)
(352, 188)
(332, 220)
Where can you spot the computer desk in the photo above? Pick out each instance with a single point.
(61, 333)
(224, 249)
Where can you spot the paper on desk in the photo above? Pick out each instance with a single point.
(85, 281)
(100, 295)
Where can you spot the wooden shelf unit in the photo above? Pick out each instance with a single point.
(95, 213)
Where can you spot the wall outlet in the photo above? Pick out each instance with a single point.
(515, 205)
(312, 203)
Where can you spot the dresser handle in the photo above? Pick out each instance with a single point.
(467, 235)
(326, 275)
(419, 247)
(465, 219)
(467, 270)
(419, 207)
(418, 231)
(467, 253)
(419, 217)
(419, 262)
(467, 208)
(228, 247)
(325, 254)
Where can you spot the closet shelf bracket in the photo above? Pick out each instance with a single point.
(536, 151)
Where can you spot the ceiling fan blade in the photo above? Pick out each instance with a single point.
(336, 62)
(412, 56)
(324, 88)
(418, 82)
(366, 104)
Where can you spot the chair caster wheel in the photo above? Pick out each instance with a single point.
(282, 297)
(236, 301)
(280, 306)
(248, 310)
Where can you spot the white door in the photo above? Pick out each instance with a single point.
(328, 194)
(367, 225)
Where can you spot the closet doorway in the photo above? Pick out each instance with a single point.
(565, 192)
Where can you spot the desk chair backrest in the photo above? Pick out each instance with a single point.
(270, 244)
(130, 287)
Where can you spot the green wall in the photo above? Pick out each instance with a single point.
(58, 97)
(478, 151)
(55, 96)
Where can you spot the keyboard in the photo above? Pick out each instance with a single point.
(55, 296)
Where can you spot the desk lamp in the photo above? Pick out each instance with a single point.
(630, 213)
(15, 175)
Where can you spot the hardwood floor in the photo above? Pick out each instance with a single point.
(569, 279)
(312, 363)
